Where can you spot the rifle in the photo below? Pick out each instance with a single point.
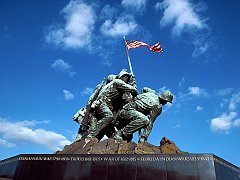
(90, 101)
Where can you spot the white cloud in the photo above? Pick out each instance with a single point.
(61, 65)
(182, 17)
(5, 143)
(68, 95)
(138, 6)
(181, 14)
(177, 126)
(223, 92)
(108, 12)
(236, 123)
(196, 91)
(124, 25)
(22, 132)
(201, 46)
(199, 108)
(77, 31)
(231, 99)
(225, 122)
(192, 92)
(223, 103)
(87, 91)
(106, 62)
(181, 82)
(234, 101)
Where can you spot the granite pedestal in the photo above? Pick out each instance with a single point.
(116, 166)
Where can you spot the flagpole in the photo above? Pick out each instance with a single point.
(129, 61)
(130, 66)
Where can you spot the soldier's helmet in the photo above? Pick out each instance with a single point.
(123, 72)
(166, 95)
(111, 77)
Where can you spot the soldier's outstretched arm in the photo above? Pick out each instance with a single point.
(147, 89)
(124, 86)
(132, 81)
(154, 113)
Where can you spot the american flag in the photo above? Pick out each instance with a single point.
(136, 44)
(156, 48)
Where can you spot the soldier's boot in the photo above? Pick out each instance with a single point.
(82, 132)
(142, 139)
(101, 125)
(119, 136)
(90, 135)
(79, 137)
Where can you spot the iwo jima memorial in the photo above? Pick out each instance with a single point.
(116, 110)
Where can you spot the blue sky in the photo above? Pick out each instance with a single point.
(54, 53)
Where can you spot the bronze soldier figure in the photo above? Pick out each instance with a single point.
(85, 116)
(133, 116)
(109, 101)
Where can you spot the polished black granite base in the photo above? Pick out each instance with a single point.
(115, 166)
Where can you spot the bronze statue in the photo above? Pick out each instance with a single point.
(115, 109)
